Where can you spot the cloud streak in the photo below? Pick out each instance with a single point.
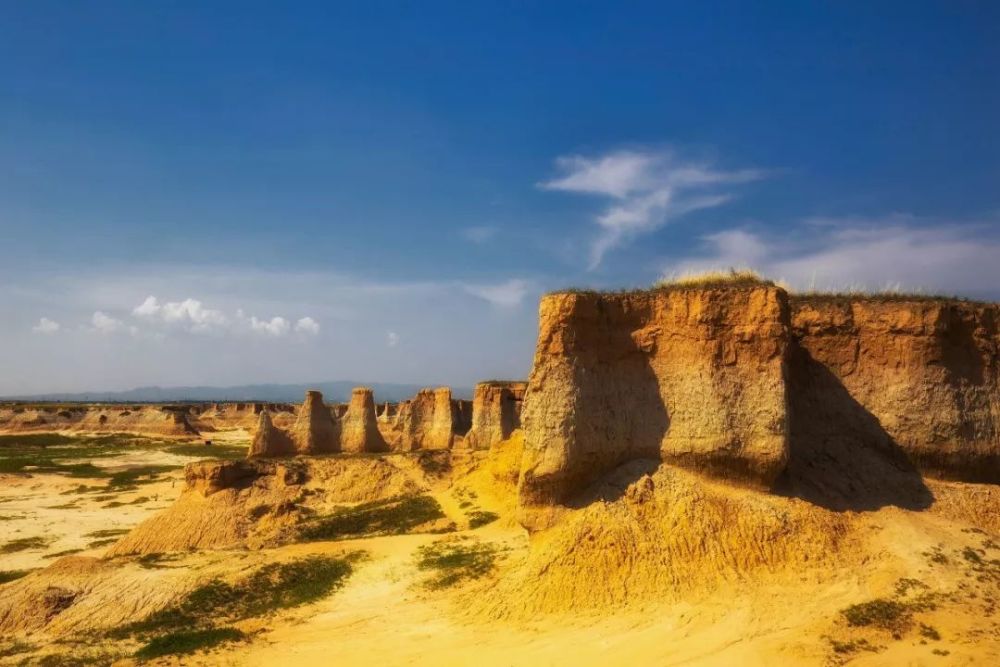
(648, 189)
(899, 252)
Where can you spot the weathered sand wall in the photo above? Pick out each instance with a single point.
(427, 421)
(496, 413)
(359, 426)
(927, 370)
(691, 376)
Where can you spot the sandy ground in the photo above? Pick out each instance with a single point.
(48, 505)
(383, 615)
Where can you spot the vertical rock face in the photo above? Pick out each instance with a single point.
(427, 421)
(926, 370)
(690, 376)
(496, 412)
(314, 431)
(359, 427)
(269, 441)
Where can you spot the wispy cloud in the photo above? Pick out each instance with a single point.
(46, 326)
(648, 189)
(506, 294)
(894, 252)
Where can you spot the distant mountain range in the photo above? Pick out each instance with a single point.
(338, 391)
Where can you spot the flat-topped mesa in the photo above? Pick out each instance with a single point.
(496, 413)
(693, 376)
(269, 441)
(359, 426)
(314, 431)
(928, 370)
(426, 421)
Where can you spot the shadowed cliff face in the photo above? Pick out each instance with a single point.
(844, 402)
(840, 457)
(693, 377)
(927, 371)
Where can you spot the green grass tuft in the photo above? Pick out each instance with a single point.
(271, 588)
(12, 575)
(481, 518)
(879, 613)
(188, 641)
(394, 516)
(453, 561)
(24, 544)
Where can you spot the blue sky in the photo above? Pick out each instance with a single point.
(381, 190)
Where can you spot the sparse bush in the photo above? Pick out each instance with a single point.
(929, 632)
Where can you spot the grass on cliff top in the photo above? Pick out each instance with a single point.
(734, 278)
(746, 278)
(393, 516)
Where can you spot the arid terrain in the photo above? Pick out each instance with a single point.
(710, 473)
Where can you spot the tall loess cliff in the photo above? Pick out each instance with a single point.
(927, 369)
(690, 376)
(843, 401)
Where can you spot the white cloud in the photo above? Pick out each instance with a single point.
(479, 235)
(896, 252)
(46, 326)
(391, 338)
(103, 323)
(307, 325)
(276, 326)
(189, 314)
(506, 294)
(648, 188)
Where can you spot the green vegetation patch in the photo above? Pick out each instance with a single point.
(271, 588)
(849, 647)
(97, 544)
(188, 641)
(225, 452)
(109, 532)
(24, 544)
(453, 561)
(12, 575)
(60, 554)
(394, 516)
(481, 518)
(879, 613)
